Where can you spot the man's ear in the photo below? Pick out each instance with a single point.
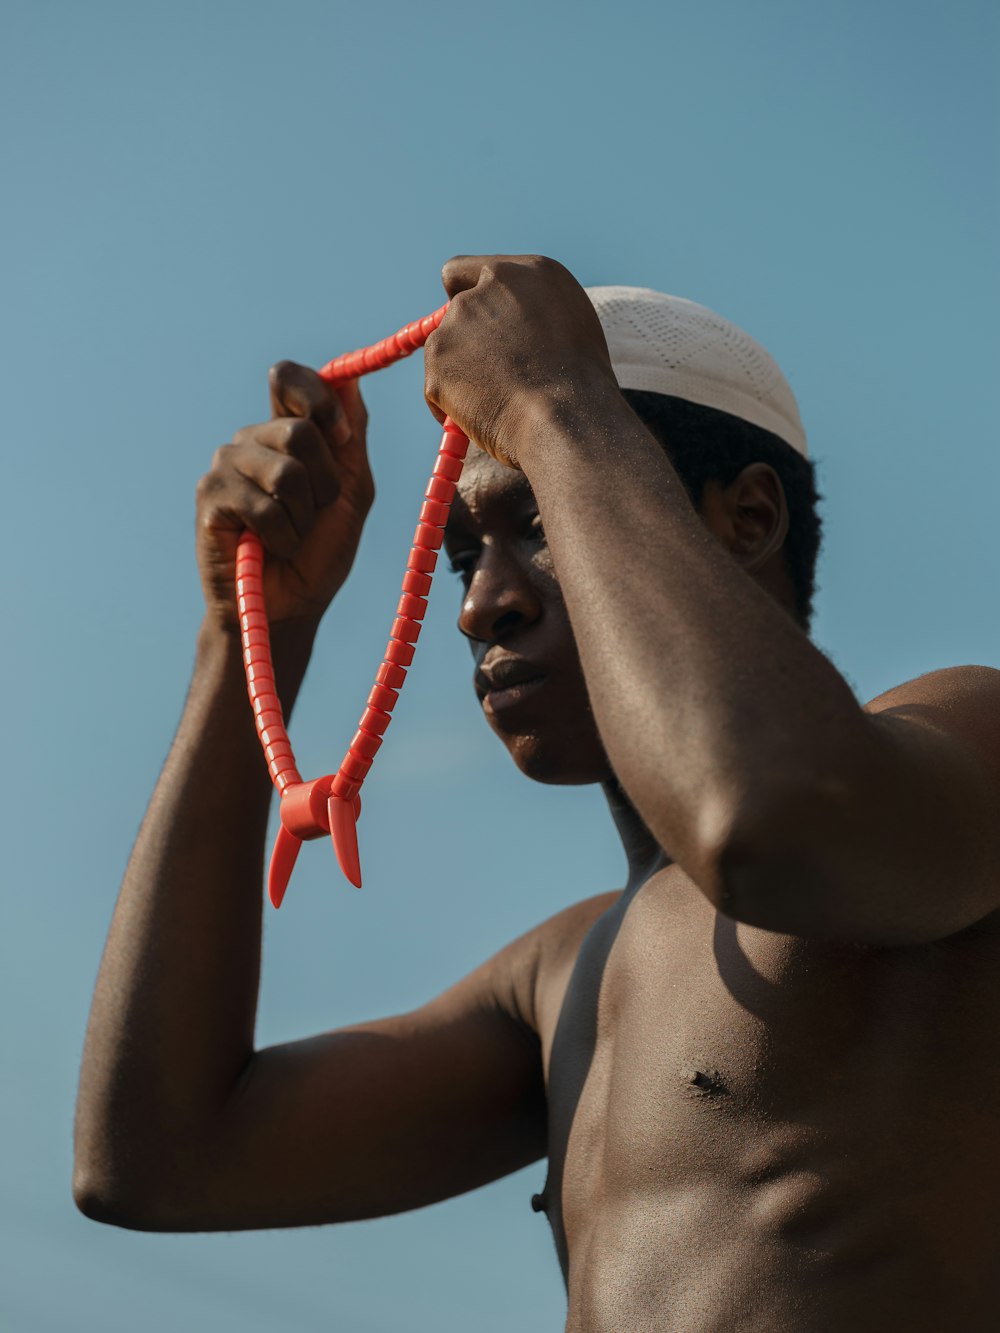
(749, 516)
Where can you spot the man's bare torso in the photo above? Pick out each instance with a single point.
(753, 1131)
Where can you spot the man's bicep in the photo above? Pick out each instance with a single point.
(907, 850)
(379, 1117)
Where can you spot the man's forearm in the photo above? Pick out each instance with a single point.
(710, 700)
(172, 1022)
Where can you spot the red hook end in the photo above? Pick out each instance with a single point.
(343, 829)
(286, 849)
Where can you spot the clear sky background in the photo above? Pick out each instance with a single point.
(193, 191)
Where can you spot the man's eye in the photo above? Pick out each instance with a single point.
(535, 527)
(462, 566)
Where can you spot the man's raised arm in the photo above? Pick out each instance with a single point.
(737, 741)
(180, 1124)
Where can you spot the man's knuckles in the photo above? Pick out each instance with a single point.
(253, 487)
(265, 451)
(208, 486)
(462, 271)
(272, 523)
(303, 443)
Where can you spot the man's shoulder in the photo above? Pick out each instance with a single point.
(957, 706)
(526, 970)
(960, 695)
(560, 935)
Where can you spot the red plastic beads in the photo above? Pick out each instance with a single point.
(332, 804)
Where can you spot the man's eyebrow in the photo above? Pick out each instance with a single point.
(461, 524)
(456, 525)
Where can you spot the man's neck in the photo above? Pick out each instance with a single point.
(644, 855)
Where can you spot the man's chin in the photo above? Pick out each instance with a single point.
(556, 765)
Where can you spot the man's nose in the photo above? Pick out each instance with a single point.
(499, 598)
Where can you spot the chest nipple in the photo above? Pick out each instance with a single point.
(703, 1082)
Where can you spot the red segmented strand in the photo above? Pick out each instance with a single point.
(332, 804)
(352, 365)
(257, 656)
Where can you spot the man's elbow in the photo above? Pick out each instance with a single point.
(107, 1201)
(101, 1204)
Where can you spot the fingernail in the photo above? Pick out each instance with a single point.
(342, 430)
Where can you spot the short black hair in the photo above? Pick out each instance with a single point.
(705, 444)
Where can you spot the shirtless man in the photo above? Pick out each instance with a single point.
(765, 1072)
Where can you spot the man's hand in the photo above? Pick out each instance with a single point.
(520, 332)
(302, 482)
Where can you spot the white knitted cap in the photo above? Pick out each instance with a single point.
(668, 345)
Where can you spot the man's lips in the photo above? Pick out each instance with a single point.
(511, 695)
(506, 680)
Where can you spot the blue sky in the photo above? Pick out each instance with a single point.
(192, 192)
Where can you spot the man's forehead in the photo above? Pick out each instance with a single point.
(486, 479)
(485, 484)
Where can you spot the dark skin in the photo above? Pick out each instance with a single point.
(764, 1071)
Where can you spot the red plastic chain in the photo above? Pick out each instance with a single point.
(332, 804)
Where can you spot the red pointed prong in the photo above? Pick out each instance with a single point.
(344, 832)
(286, 849)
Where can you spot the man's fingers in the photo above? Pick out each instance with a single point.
(436, 412)
(282, 478)
(302, 441)
(228, 504)
(354, 408)
(297, 391)
(462, 272)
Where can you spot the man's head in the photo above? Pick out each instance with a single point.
(727, 420)
(718, 403)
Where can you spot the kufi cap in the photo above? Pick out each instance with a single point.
(665, 344)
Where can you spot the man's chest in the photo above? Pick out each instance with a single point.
(683, 1047)
(681, 1004)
